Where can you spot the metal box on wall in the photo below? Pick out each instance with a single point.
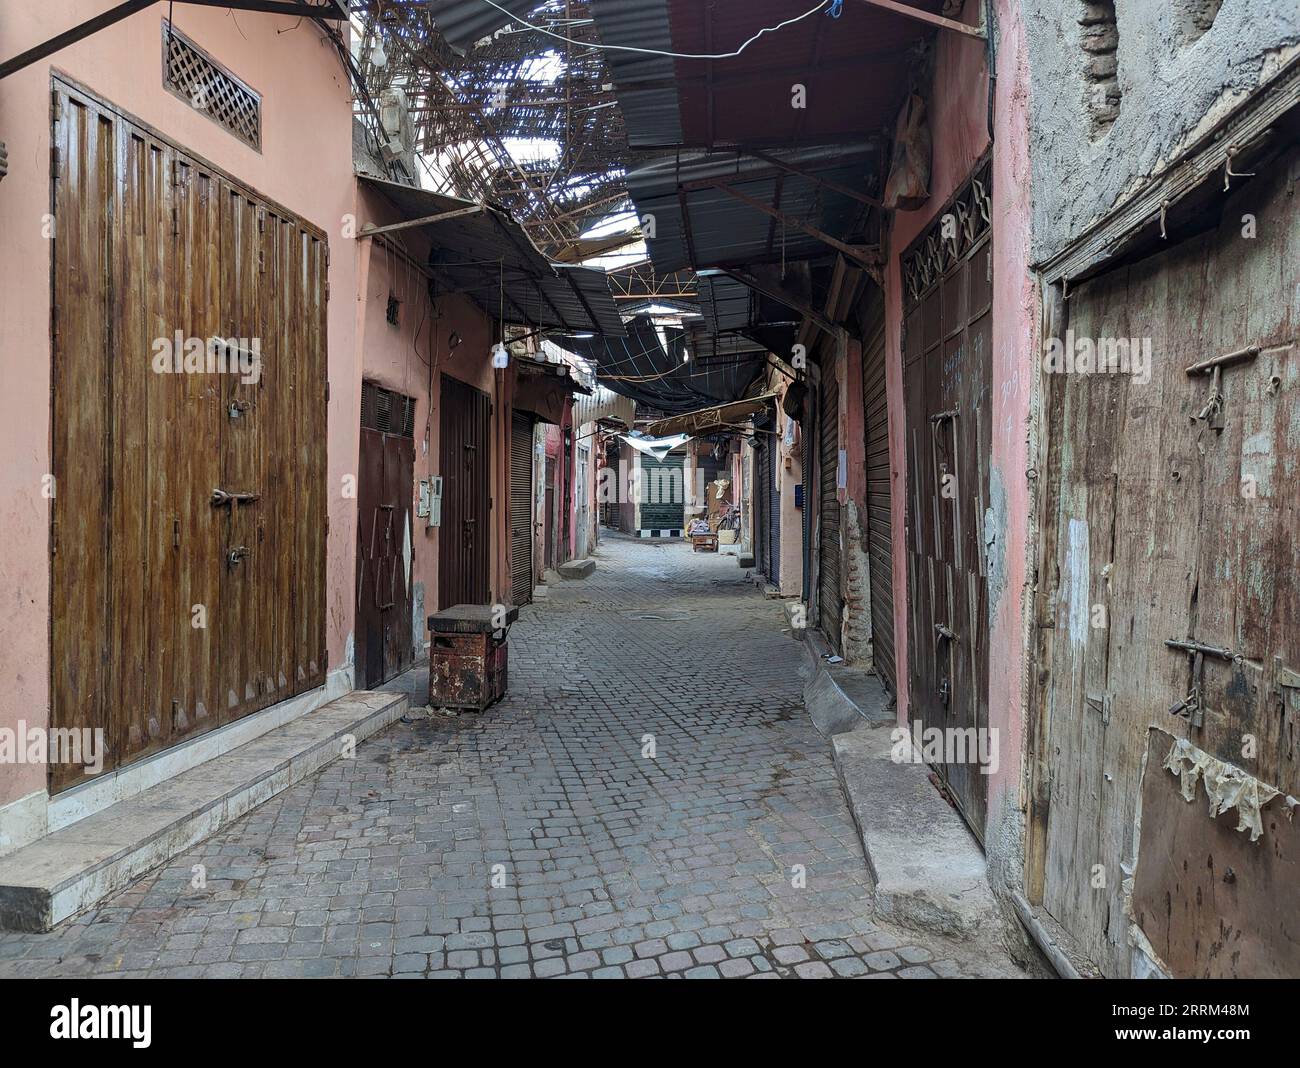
(468, 655)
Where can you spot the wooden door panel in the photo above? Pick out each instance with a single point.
(156, 636)
(1154, 524)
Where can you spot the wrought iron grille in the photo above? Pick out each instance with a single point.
(950, 237)
(205, 85)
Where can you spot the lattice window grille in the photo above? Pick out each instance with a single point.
(208, 87)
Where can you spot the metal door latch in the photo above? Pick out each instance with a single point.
(238, 553)
(222, 497)
(1192, 707)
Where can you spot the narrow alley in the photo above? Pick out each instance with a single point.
(612, 864)
(617, 489)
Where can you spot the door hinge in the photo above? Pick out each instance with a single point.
(54, 161)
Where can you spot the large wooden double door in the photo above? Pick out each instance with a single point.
(189, 342)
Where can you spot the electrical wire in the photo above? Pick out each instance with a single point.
(657, 52)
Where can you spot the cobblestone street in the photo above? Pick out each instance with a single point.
(536, 839)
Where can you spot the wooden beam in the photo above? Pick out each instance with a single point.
(925, 16)
(369, 231)
(784, 296)
(855, 254)
(290, 8)
(812, 176)
(68, 37)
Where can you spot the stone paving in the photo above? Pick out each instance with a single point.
(649, 800)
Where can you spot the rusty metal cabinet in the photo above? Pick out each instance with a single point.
(468, 655)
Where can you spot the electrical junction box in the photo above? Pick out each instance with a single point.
(435, 501)
(422, 506)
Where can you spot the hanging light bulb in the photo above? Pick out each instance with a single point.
(500, 358)
(378, 57)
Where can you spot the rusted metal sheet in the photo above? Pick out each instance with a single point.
(1173, 529)
(947, 356)
(1227, 907)
(468, 656)
(188, 568)
(465, 538)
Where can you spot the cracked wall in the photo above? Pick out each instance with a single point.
(1180, 65)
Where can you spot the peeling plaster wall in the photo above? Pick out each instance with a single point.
(1173, 85)
(959, 124)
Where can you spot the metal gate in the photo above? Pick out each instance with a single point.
(947, 358)
(773, 510)
(385, 642)
(879, 538)
(188, 541)
(521, 509)
(830, 602)
(465, 539)
(762, 499)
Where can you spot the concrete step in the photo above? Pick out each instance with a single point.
(577, 569)
(928, 869)
(842, 698)
(80, 865)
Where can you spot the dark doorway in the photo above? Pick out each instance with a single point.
(465, 538)
(385, 636)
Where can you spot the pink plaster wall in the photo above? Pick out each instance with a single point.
(959, 127)
(305, 164)
(412, 357)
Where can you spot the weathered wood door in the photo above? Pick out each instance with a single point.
(1171, 518)
(188, 570)
(385, 644)
(947, 356)
(465, 538)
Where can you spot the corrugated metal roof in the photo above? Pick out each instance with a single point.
(853, 69)
(639, 366)
(650, 113)
(490, 258)
(726, 303)
(725, 231)
(462, 22)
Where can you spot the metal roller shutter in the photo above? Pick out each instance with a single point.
(521, 509)
(879, 540)
(830, 605)
(773, 513)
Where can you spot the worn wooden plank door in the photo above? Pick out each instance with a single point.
(947, 360)
(385, 645)
(175, 610)
(1173, 521)
(465, 539)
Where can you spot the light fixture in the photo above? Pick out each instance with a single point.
(378, 57)
(500, 358)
